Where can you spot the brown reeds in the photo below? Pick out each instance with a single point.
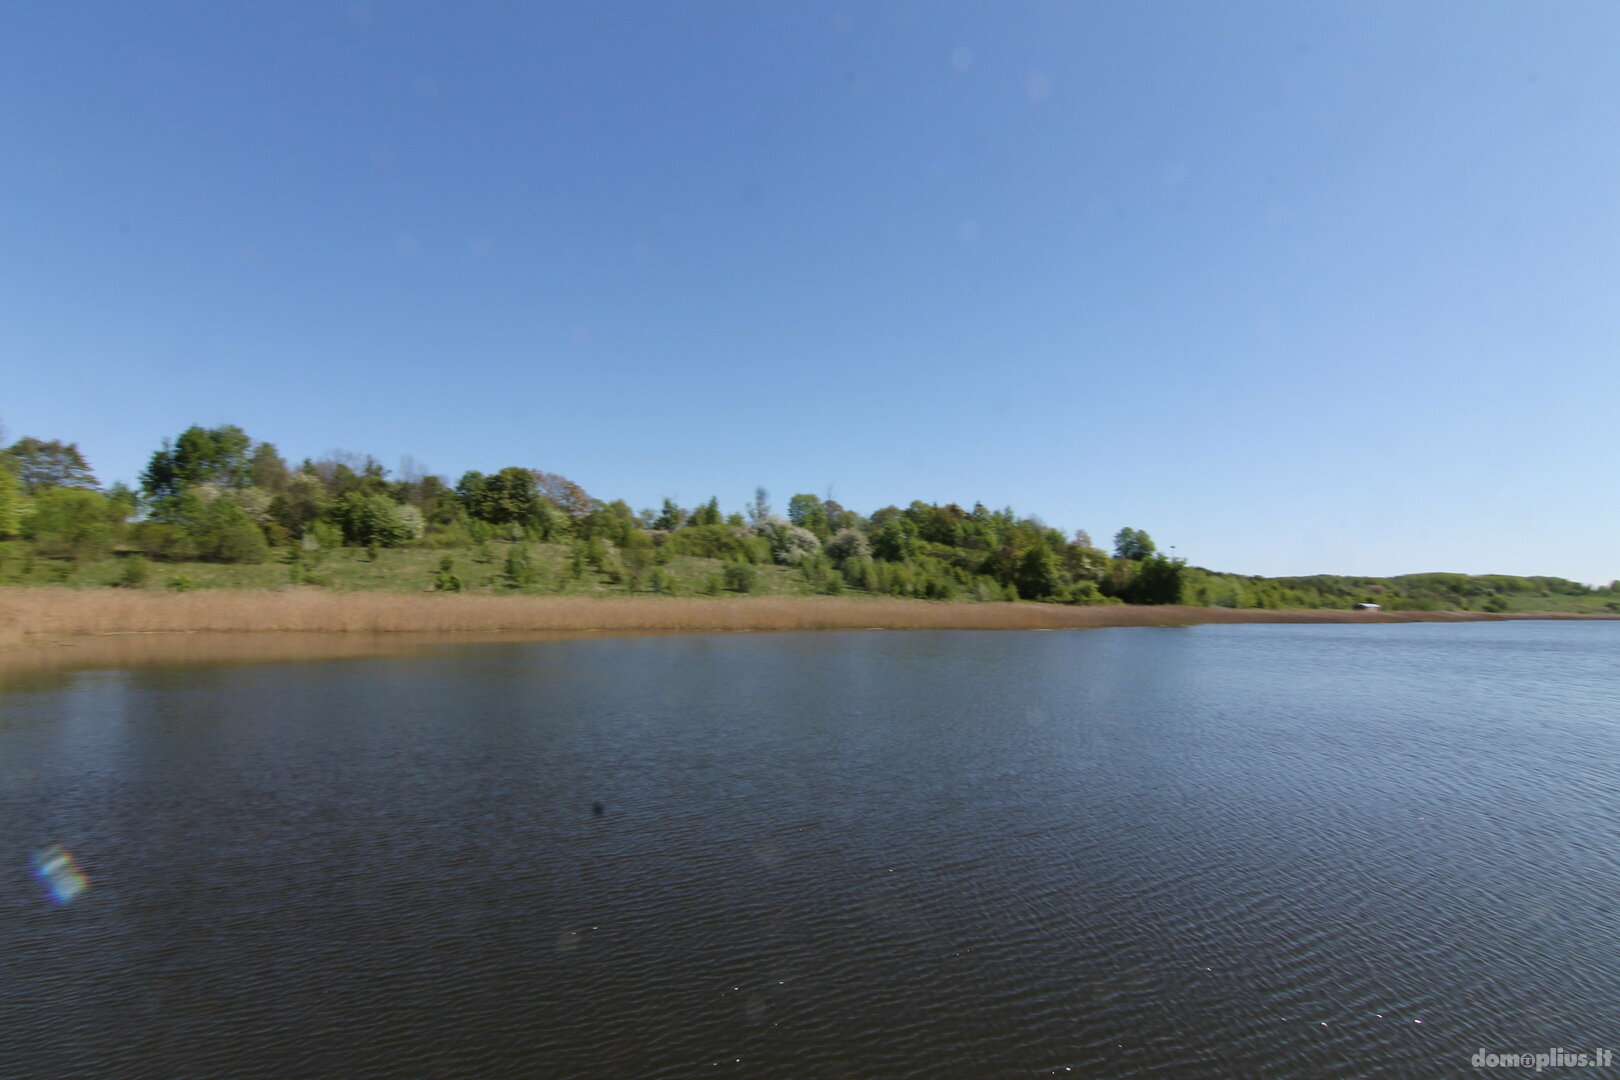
(55, 612)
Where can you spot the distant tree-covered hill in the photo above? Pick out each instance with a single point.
(217, 507)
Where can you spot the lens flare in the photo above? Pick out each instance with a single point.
(60, 874)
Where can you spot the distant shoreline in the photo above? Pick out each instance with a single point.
(34, 617)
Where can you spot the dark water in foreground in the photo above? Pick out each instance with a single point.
(1225, 851)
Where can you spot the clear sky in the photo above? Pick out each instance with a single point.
(1295, 287)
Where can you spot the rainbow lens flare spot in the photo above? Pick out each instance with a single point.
(59, 872)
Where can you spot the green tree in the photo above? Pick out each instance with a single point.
(11, 501)
(637, 553)
(70, 522)
(41, 465)
(266, 469)
(848, 544)
(707, 514)
(670, 516)
(229, 535)
(508, 496)
(1037, 576)
(135, 573)
(740, 577)
(1158, 580)
(371, 519)
(300, 504)
(1133, 544)
(896, 540)
(521, 571)
(445, 579)
(807, 512)
(199, 456)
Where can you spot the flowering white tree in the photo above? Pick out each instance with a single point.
(789, 543)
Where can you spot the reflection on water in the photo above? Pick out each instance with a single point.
(40, 664)
(1229, 851)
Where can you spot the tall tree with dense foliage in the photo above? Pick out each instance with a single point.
(508, 497)
(807, 512)
(199, 456)
(1133, 544)
(1157, 580)
(368, 520)
(569, 497)
(39, 465)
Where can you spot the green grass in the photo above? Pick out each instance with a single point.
(481, 570)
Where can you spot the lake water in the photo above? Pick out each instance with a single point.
(1226, 851)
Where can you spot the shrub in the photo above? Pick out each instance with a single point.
(136, 572)
(708, 542)
(1084, 592)
(849, 544)
(741, 577)
(521, 570)
(861, 573)
(790, 544)
(445, 579)
(374, 519)
(326, 534)
(181, 583)
(234, 538)
(71, 522)
(452, 537)
(165, 541)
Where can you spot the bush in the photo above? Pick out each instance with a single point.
(136, 572)
(848, 544)
(1084, 592)
(521, 570)
(374, 519)
(181, 583)
(790, 544)
(861, 573)
(72, 523)
(741, 577)
(326, 535)
(708, 542)
(452, 537)
(165, 541)
(1158, 581)
(445, 579)
(197, 527)
(234, 537)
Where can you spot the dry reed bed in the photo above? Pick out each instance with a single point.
(46, 612)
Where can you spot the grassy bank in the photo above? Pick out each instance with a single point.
(56, 612)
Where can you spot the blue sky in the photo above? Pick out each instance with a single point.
(1296, 288)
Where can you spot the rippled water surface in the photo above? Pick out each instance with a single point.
(1225, 851)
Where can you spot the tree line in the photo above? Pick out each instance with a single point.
(218, 495)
